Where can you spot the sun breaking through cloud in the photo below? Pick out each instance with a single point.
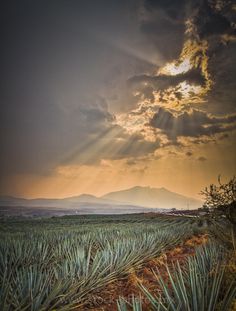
(94, 104)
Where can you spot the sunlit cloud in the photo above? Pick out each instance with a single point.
(194, 56)
(173, 68)
(136, 94)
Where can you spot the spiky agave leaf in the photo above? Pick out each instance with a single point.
(43, 269)
(196, 287)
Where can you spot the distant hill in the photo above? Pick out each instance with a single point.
(153, 197)
(133, 200)
(88, 198)
(70, 202)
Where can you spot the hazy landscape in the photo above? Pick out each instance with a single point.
(133, 200)
(118, 155)
(136, 258)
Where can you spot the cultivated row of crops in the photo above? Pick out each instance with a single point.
(46, 267)
(201, 284)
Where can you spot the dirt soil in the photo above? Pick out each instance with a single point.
(105, 298)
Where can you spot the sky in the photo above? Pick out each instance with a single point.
(99, 96)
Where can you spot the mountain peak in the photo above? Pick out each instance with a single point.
(152, 197)
(86, 195)
(138, 188)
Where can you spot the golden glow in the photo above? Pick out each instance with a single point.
(189, 90)
(174, 68)
(136, 122)
(193, 56)
(113, 175)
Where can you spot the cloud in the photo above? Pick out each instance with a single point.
(202, 159)
(189, 154)
(175, 10)
(195, 123)
(164, 21)
(46, 115)
(131, 162)
(191, 78)
(164, 81)
(172, 153)
(140, 170)
(207, 23)
(214, 19)
(40, 141)
(223, 69)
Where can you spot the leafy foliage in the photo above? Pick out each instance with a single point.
(221, 199)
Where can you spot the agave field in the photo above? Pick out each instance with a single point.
(59, 263)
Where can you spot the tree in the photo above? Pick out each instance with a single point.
(221, 199)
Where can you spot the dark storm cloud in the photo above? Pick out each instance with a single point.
(163, 23)
(209, 18)
(167, 37)
(222, 66)
(175, 10)
(214, 20)
(162, 82)
(194, 124)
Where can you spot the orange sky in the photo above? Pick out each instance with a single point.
(170, 168)
(95, 105)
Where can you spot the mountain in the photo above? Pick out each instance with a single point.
(133, 200)
(70, 202)
(88, 198)
(153, 197)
